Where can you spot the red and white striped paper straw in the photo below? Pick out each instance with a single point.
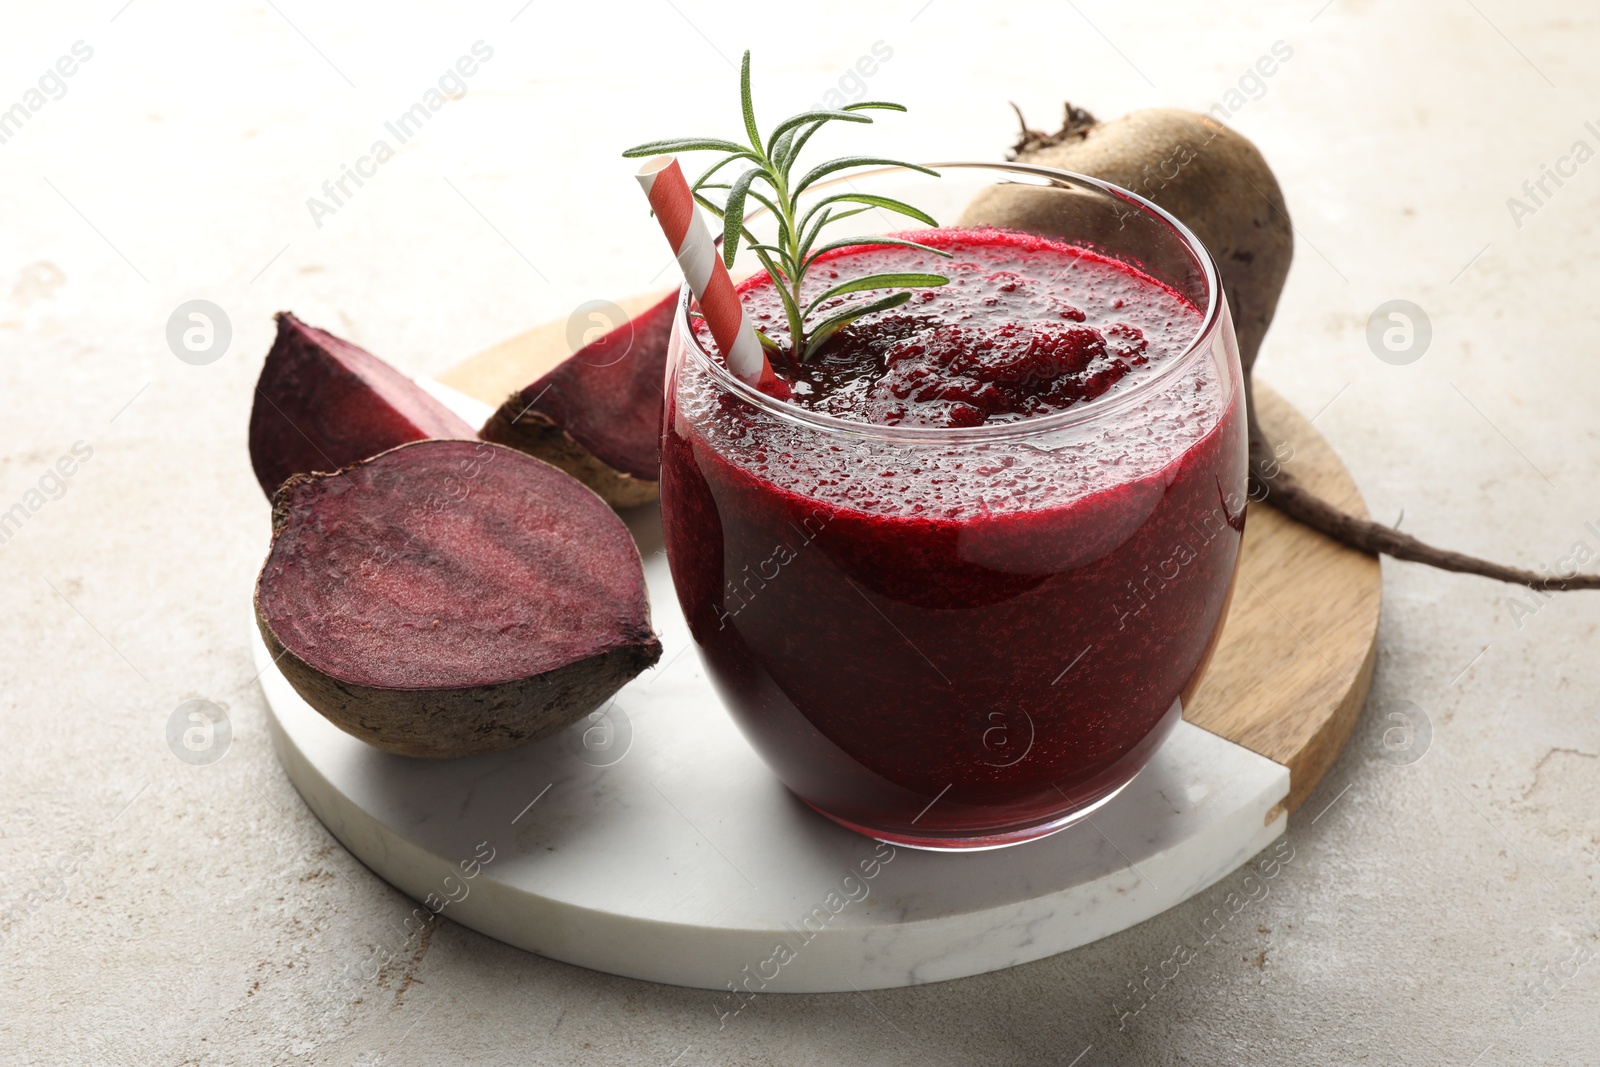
(702, 268)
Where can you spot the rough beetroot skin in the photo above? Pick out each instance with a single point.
(322, 404)
(447, 598)
(597, 415)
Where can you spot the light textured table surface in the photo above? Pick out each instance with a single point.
(157, 912)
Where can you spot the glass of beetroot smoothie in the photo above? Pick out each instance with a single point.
(956, 587)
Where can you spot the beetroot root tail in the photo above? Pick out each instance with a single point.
(1285, 493)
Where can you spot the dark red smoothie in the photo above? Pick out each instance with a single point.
(962, 637)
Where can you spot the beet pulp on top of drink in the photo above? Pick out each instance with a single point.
(970, 638)
(1010, 337)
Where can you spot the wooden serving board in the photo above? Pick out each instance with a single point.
(1291, 672)
(609, 846)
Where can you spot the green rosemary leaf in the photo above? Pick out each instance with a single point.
(768, 343)
(793, 251)
(733, 215)
(779, 275)
(709, 204)
(780, 148)
(847, 214)
(772, 208)
(874, 201)
(854, 242)
(811, 234)
(716, 209)
(879, 281)
(832, 325)
(804, 117)
(702, 181)
(791, 308)
(745, 103)
(822, 170)
(793, 152)
(686, 144)
(781, 267)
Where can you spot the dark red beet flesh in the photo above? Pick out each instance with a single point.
(322, 404)
(598, 414)
(451, 597)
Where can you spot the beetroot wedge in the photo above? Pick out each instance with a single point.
(322, 403)
(597, 415)
(448, 598)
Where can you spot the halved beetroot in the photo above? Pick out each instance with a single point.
(447, 598)
(322, 404)
(597, 415)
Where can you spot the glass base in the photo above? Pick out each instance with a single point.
(979, 843)
(1129, 767)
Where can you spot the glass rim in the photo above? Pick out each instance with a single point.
(1091, 411)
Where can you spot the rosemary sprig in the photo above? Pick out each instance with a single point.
(772, 162)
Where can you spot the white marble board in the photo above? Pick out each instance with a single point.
(650, 841)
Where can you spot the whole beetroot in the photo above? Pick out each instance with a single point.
(1212, 178)
(1216, 182)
